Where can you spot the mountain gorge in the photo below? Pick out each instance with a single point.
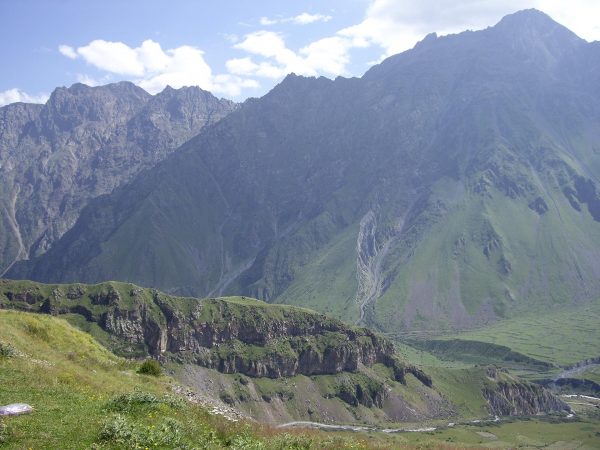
(81, 144)
(452, 185)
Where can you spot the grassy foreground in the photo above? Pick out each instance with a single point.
(86, 397)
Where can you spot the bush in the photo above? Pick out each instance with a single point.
(7, 350)
(150, 367)
(136, 399)
(126, 433)
(246, 442)
(226, 398)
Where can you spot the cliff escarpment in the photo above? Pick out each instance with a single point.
(231, 335)
(507, 396)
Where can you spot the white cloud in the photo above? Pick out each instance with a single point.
(265, 21)
(17, 95)
(396, 25)
(247, 67)
(68, 51)
(153, 59)
(241, 66)
(231, 38)
(306, 18)
(301, 19)
(183, 66)
(266, 43)
(326, 56)
(391, 25)
(152, 68)
(581, 16)
(232, 85)
(114, 57)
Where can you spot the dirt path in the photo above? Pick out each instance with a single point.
(356, 428)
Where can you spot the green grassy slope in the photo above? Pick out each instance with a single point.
(490, 258)
(84, 396)
(561, 337)
(327, 282)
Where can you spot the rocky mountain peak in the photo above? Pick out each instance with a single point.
(527, 19)
(536, 35)
(69, 107)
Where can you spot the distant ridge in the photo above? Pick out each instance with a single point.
(84, 142)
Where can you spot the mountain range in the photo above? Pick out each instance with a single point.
(81, 144)
(452, 185)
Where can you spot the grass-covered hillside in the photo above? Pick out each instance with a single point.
(558, 349)
(86, 397)
(247, 353)
(232, 334)
(277, 363)
(561, 337)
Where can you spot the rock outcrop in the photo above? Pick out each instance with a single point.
(231, 335)
(507, 396)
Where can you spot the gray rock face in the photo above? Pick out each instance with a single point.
(506, 396)
(522, 399)
(82, 143)
(241, 339)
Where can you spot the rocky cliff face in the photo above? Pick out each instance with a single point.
(82, 143)
(507, 397)
(231, 335)
(232, 338)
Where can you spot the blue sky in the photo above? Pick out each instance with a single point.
(235, 49)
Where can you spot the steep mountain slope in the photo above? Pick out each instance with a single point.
(83, 143)
(452, 185)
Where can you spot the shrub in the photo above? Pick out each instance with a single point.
(126, 433)
(246, 442)
(226, 398)
(136, 399)
(150, 367)
(7, 350)
(292, 442)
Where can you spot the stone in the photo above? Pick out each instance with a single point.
(15, 409)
